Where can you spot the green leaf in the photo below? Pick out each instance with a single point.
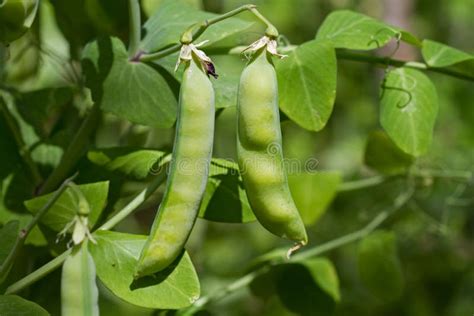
(307, 84)
(351, 30)
(8, 235)
(175, 16)
(313, 192)
(225, 199)
(440, 55)
(63, 211)
(132, 90)
(134, 162)
(379, 266)
(310, 287)
(382, 155)
(116, 255)
(409, 106)
(11, 305)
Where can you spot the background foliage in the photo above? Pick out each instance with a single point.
(418, 262)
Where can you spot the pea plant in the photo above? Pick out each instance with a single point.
(67, 187)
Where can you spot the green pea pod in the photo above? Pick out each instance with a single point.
(188, 172)
(259, 149)
(79, 294)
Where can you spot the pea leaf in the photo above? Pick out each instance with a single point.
(116, 255)
(307, 84)
(309, 286)
(379, 266)
(173, 17)
(313, 192)
(146, 97)
(225, 199)
(351, 30)
(443, 56)
(11, 305)
(135, 162)
(382, 155)
(65, 208)
(409, 106)
(440, 55)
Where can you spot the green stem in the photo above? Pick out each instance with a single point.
(193, 33)
(74, 151)
(135, 203)
(271, 30)
(56, 262)
(244, 281)
(22, 147)
(363, 183)
(134, 27)
(384, 61)
(38, 274)
(20, 240)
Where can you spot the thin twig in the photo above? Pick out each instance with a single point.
(193, 33)
(134, 27)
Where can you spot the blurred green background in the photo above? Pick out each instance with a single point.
(435, 235)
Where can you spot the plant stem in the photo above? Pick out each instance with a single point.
(401, 200)
(384, 61)
(271, 30)
(195, 33)
(363, 183)
(56, 262)
(22, 147)
(20, 240)
(74, 151)
(134, 27)
(38, 274)
(135, 203)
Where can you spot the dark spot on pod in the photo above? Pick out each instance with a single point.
(211, 70)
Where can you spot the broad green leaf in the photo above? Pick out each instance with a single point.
(225, 199)
(310, 287)
(440, 55)
(12, 305)
(63, 211)
(313, 192)
(131, 90)
(134, 162)
(173, 17)
(8, 234)
(409, 38)
(78, 283)
(116, 255)
(307, 84)
(409, 106)
(382, 155)
(351, 30)
(379, 266)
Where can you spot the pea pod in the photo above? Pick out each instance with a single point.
(188, 171)
(79, 294)
(259, 149)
